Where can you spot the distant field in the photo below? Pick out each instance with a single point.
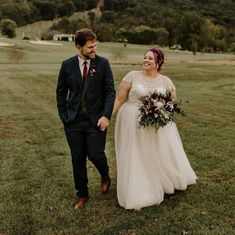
(37, 192)
(116, 52)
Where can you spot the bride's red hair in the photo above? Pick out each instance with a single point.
(158, 57)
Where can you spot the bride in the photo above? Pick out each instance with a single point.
(149, 163)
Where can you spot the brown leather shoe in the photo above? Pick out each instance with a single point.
(81, 203)
(105, 183)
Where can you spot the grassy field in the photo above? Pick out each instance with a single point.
(37, 191)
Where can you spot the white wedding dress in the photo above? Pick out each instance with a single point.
(149, 163)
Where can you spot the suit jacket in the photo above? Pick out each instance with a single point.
(98, 94)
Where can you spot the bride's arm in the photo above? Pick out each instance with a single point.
(171, 88)
(122, 95)
(173, 94)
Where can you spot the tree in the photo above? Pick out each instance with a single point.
(104, 32)
(47, 9)
(8, 28)
(80, 5)
(144, 34)
(108, 17)
(28, 12)
(162, 36)
(194, 44)
(65, 9)
(91, 4)
(92, 18)
(141, 34)
(171, 23)
(190, 30)
(213, 37)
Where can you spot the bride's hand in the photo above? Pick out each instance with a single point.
(103, 123)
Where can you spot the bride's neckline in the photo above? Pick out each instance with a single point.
(151, 78)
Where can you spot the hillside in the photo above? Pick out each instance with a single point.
(219, 11)
(196, 25)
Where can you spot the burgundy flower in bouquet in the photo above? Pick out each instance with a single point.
(158, 109)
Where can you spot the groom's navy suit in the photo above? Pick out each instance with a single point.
(80, 105)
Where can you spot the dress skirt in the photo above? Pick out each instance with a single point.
(149, 162)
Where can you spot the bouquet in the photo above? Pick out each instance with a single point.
(158, 109)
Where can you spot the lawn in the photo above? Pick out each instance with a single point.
(37, 191)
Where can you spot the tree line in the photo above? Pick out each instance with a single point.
(28, 11)
(195, 25)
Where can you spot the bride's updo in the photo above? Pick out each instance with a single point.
(158, 57)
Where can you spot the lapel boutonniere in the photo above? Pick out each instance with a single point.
(92, 71)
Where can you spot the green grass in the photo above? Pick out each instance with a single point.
(37, 191)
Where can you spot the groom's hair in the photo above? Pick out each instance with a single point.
(84, 35)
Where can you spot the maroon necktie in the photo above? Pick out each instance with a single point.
(84, 70)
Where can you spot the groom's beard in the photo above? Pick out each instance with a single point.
(89, 56)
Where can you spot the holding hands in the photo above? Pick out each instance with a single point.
(103, 123)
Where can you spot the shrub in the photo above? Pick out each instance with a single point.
(8, 28)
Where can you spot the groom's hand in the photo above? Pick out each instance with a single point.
(103, 123)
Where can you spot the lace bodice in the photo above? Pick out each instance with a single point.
(142, 85)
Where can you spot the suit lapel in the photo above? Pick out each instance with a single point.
(91, 73)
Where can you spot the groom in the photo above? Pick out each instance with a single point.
(85, 95)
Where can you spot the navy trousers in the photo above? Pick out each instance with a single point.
(86, 141)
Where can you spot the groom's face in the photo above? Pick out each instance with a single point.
(88, 51)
